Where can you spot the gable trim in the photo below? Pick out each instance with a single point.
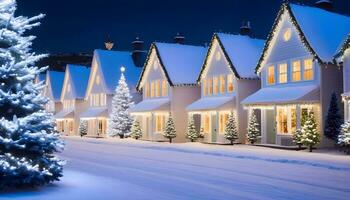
(65, 82)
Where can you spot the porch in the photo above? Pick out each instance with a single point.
(97, 121)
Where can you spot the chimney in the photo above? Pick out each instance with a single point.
(179, 38)
(138, 54)
(109, 43)
(325, 4)
(245, 28)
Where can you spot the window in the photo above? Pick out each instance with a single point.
(216, 85)
(103, 99)
(287, 34)
(218, 56)
(230, 86)
(222, 84)
(152, 89)
(296, 70)
(205, 89)
(223, 118)
(160, 122)
(206, 123)
(282, 70)
(271, 75)
(308, 70)
(147, 91)
(98, 81)
(210, 86)
(286, 119)
(282, 122)
(164, 88)
(157, 88)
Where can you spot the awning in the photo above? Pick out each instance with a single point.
(346, 95)
(212, 103)
(95, 113)
(284, 95)
(64, 114)
(162, 104)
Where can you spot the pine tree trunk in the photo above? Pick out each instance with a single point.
(170, 140)
(299, 146)
(231, 142)
(310, 148)
(192, 140)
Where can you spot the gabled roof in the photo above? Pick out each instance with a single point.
(110, 63)
(56, 82)
(180, 63)
(79, 76)
(242, 53)
(344, 46)
(320, 31)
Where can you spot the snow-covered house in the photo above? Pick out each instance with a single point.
(168, 84)
(226, 78)
(72, 98)
(40, 77)
(344, 57)
(297, 70)
(52, 90)
(104, 75)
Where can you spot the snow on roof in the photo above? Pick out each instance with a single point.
(211, 103)
(243, 52)
(151, 105)
(324, 30)
(94, 112)
(284, 94)
(56, 81)
(181, 62)
(79, 78)
(110, 63)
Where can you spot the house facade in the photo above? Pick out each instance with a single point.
(52, 90)
(226, 78)
(297, 71)
(72, 98)
(104, 75)
(168, 85)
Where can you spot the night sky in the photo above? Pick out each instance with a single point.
(73, 26)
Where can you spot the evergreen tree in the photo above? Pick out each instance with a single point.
(297, 138)
(136, 131)
(170, 131)
(192, 134)
(310, 135)
(253, 130)
(120, 120)
(344, 137)
(231, 132)
(28, 139)
(333, 119)
(83, 128)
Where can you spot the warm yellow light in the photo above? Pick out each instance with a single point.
(287, 34)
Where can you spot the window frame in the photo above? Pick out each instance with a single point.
(271, 76)
(294, 73)
(284, 74)
(312, 69)
(230, 81)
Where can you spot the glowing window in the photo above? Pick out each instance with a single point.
(282, 70)
(98, 80)
(164, 88)
(210, 86)
(223, 118)
(160, 122)
(230, 85)
(206, 123)
(147, 90)
(204, 86)
(222, 84)
(308, 70)
(216, 85)
(296, 71)
(287, 34)
(152, 89)
(157, 88)
(271, 75)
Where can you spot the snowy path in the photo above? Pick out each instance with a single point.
(127, 169)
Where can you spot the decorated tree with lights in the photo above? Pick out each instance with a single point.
(83, 128)
(28, 139)
(297, 138)
(120, 120)
(136, 131)
(253, 130)
(344, 137)
(231, 132)
(310, 135)
(170, 132)
(192, 134)
(333, 119)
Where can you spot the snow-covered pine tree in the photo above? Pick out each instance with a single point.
(192, 134)
(309, 132)
(344, 137)
(333, 119)
(231, 133)
(136, 131)
(170, 131)
(120, 119)
(28, 139)
(83, 127)
(297, 138)
(253, 130)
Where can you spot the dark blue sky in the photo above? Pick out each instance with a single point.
(83, 25)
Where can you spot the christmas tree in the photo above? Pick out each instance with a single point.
(170, 131)
(344, 137)
(297, 138)
(333, 119)
(83, 128)
(28, 139)
(120, 120)
(136, 131)
(253, 130)
(231, 132)
(310, 135)
(192, 134)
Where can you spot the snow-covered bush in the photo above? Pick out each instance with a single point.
(310, 134)
(192, 134)
(28, 139)
(297, 138)
(136, 131)
(231, 133)
(344, 137)
(170, 132)
(83, 126)
(253, 130)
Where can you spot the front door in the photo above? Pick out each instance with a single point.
(270, 126)
(214, 128)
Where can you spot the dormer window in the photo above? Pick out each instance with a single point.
(287, 34)
(308, 70)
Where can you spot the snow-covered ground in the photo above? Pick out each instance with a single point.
(129, 169)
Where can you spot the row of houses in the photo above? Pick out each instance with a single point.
(304, 60)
